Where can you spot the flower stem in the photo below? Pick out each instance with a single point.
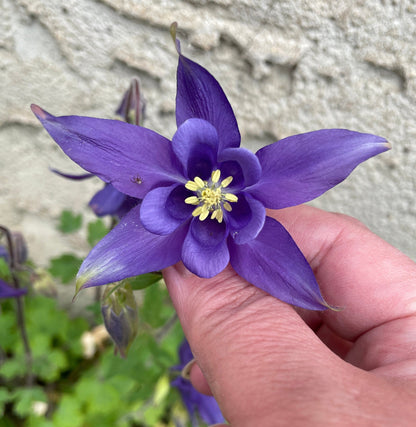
(20, 309)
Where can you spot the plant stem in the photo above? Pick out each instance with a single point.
(20, 310)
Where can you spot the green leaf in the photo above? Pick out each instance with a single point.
(13, 368)
(69, 222)
(68, 413)
(24, 399)
(5, 273)
(96, 231)
(65, 267)
(157, 307)
(144, 280)
(4, 398)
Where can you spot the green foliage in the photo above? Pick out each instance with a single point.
(104, 391)
(65, 267)
(156, 309)
(96, 231)
(69, 222)
(5, 273)
(144, 280)
(80, 389)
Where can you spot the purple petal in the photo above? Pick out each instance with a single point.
(195, 143)
(128, 250)
(274, 263)
(246, 162)
(299, 168)
(7, 291)
(107, 201)
(199, 95)
(132, 158)
(197, 404)
(205, 252)
(79, 177)
(246, 219)
(128, 204)
(164, 209)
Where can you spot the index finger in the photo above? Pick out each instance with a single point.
(356, 270)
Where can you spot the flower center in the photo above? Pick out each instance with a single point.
(210, 196)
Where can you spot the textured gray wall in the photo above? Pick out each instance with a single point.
(287, 67)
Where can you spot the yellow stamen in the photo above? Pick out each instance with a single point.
(230, 197)
(193, 200)
(227, 206)
(215, 176)
(190, 185)
(209, 197)
(226, 182)
(199, 182)
(204, 215)
(219, 216)
(197, 211)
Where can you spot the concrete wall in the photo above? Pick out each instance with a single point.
(287, 67)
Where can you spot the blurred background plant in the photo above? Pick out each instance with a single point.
(112, 366)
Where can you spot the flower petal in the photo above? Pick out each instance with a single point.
(195, 144)
(7, 291)
(132, 158)
(128, 250)
(205, 252)
(164, 209)
(274, 263)
(246, 219)
(199, 95)
(299, 168)
(245, 161)
(107, 201)
(78, 177)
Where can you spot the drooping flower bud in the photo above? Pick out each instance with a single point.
(119, 310)
(132, 106)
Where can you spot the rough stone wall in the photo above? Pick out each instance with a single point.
(287, 67)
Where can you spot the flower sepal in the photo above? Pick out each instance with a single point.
(119, 311)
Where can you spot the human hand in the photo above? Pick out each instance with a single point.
(269, 364)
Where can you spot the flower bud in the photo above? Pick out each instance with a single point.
(132, 106)
(119, 310)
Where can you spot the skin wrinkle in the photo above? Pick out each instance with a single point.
(313, 385)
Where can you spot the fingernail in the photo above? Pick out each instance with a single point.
(186, 371)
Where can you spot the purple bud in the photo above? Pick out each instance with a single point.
(119, 310)
(132, 106)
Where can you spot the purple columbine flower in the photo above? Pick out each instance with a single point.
(205, 197)
(197, 404)
(110, 201)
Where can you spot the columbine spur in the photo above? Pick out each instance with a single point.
(204, 197)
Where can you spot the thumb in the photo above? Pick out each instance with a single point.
(252, 348)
